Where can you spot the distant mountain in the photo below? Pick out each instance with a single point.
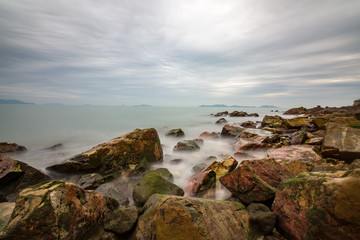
(268, 106)
(13, 101)
(142, 105)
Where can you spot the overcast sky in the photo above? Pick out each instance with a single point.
(181, 53)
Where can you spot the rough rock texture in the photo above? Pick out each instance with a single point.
(248, 124)
(11, 147)
(165, 173)
(57, 210)
(179, 218)
(238, 114)
(320, 205)
(153, 183)
(113, 190)
(249, 141)
(295, 111)
(262, 220)
(206, 179)
(176, 133)
(221, 121)
(219, 114)
(187, 145)
(130, 152)
(90, 181)
(231, 130)
(303, 153)
(256, 180)
(16, 175)
(298, 138)
(210, 135)
(297, 122)
(6, 208)
(121, 220)
(274, 122)
(341, 142)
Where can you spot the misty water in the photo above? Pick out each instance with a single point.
(79, 128)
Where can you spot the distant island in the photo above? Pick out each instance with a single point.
(13, 101)
(237, 106)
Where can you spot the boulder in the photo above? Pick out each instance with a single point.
(314, 141)
(221, 121)
(249, 141)
(16, 175)
(172, 217)
(11, 147)
(187, 146)
(253, 115)
(356, 103)
(248, 124)
(303, 153)
(90, 181)
(153, 183)
(121, 220)
(113, 190)
(323, 205)
(210, 135)
(219, 114)
(231, 130)
(298, 138)
(243, 155)
(341, 142)
(6, 208)
(274, 122)
(257, 180)
(131, 152)
(238, 114)
(165, 173)
(262, 220)
(298, 122)
(295, 111)
(57, 210)
(176, 133)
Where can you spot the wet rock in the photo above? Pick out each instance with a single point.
(231, 130)
(303, 153)
(16, 175)
(248, 124)
(243, 155)
(90, 181)
(198, 167)
(298, 138)
(262, 220)
(11, 147)
(153, 183)
(210, 135)
(199, 141)
(298, 122)
(55, 147)
(221, 121)
(341, 142)
(314, 141)
(172, 217)
(295, 111)
(253, 115)
(238, 114)
(122, 220)
(320, 205)
(57, 210)
(250, 141)
(131, 152)
(165, 173)
(113, 190)
(219, 114)
(6, 208)
(187, 145)
(176, 133)
(274, 122)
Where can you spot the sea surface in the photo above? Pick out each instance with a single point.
(79, 128)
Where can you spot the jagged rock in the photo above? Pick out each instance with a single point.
(6, 208)
(172, 217)
(249, 141)
(176, 133)
(303, 153)
(210, 135)
(248, 124)
(295, 111)
(16, 175)
(274, 122)
(298, 138)
(153, 183)
(57, 210)
(221, 121)
(90, 181)
(114, 191)
(187, 145)
(122, 220)
(320, 205)
(11, 147)
(131, 152)
(231, 130)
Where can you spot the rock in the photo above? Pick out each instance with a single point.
(262, 220)
(199, 141)
(341, 142)
(11, 147)
(303, 153)
(57, 210)
(256, 180)
(298, 138)
(205, 179)
(165, 173)
(198, 167)
(55, 147)
(187, 145)
(176, 133)
(231, 130)
(320, 205)
(153, 183)
(273, 130)
(172, 217)
(297, 123)
(295, 111)
(108, 236)
(238, 114)
(314, 141)
(219, 114)
(243, 155)
(356, 103)
(131, 152)
(274, 122)
(221, 121)
(112, 190)
(176, 161)
(248, 124)
(253, 115)
(90, 181)
(122, 220)
(6, 208)
(249, 141)
(16, 175)
(320, 122)
(210, 135)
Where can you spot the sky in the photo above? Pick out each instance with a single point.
(181, 53)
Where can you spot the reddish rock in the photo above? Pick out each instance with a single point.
(298, 122)
(303, 153)
(231, 130)
(319, 205)
(238, 114)
(243, 155)
(298, 138)
(11, 147)
(210, 135)
(250, 141)
(295, 111)
(248, 124)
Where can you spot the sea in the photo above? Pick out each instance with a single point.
(79, 128)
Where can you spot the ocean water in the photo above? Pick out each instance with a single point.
(79, 128)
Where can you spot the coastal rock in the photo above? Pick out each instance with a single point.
(262, 220)
(131, 152)
(90, 181)
(297, 123)
(320, 205)
(295, 111)
(274, 122)
(221, 121)
(341, 142)
(114, 191)
(6, 208)
(176, 133)
(248, 124)
(57, 210)
(238, 114)
(253, 115)
(356, 103)
(16, 175)
(219, 114)
(256, 180)
(11, 147)
(303, 153)
(314, 141)
(165, 173)
(187, 145)
(210, 135)
(153, 183)
(172, 217)
(231, 130)
(198, 167)
(122, 220)
(298, 138)
(243, 155)
(249, 141)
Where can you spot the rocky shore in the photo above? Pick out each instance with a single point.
(307, 186)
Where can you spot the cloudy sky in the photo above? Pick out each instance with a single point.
(181, 53)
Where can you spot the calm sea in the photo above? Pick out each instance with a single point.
(80, 128)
